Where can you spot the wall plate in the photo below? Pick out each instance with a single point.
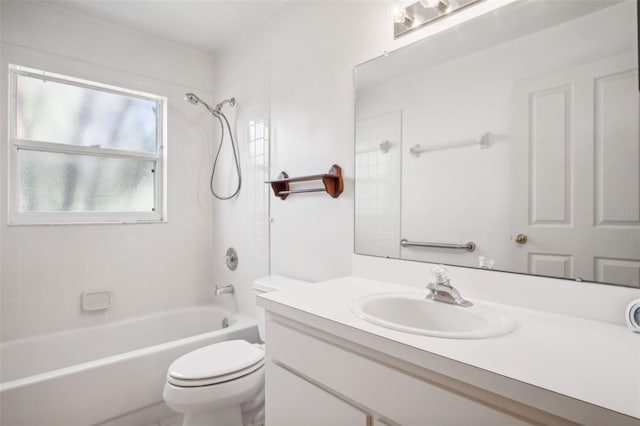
(96, 300)
(231, 259)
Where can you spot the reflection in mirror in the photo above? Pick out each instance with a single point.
(516, 131)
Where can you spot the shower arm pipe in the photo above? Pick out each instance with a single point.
(230, 101)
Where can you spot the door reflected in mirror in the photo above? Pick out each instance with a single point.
(517, 132)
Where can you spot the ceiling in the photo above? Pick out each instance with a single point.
(203, 25)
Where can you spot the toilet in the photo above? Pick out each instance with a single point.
(223, 384)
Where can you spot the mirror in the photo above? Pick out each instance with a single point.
(516, 131)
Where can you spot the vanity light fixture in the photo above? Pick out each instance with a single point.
(423, 12)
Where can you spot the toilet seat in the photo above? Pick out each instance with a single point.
(190, 383)
(214, 364)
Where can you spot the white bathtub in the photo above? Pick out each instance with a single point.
(90, 375)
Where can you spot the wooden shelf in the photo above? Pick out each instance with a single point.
(332, 181)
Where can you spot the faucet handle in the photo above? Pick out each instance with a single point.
(440, 274)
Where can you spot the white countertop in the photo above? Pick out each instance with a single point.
(594, 362)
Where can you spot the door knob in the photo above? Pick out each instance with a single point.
(521, 239)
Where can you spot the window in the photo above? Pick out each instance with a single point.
(84, 152)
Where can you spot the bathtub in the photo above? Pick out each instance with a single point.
(91, 375)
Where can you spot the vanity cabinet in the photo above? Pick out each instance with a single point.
(551, 370)
(295, 401)
(311, 380)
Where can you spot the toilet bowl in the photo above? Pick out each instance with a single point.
(223, 384)
(210, 385)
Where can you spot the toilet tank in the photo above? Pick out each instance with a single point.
(268, 284)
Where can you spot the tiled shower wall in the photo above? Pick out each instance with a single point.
(244, 221)
(258, 169)
(378, 192)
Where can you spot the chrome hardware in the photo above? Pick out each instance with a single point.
(521, 239)
(226, 289)
(482, 142)
(231, 101)
(383, 147)
(442, 291)
(470, 246)
(231, 259)
(423, 12)
(225, 322)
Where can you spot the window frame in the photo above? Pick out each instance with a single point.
(159, 157)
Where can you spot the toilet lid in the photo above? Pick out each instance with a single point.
(238, 375)
(219, 359)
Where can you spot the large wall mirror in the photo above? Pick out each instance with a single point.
(516, 131)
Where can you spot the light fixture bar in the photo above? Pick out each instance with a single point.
(421, 13)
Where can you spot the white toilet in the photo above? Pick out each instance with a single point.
(223, 384)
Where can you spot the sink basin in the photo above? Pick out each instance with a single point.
(412, 313)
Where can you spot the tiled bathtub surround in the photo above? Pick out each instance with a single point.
(147, 267)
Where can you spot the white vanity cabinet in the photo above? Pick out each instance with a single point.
(295, 401)
(550, 370)
(312, 380)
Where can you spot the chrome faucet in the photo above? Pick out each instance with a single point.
(226, 289)
(441, 289)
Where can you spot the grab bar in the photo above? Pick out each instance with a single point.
(482, 142)
(470, 246)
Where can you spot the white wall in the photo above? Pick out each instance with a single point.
(302, 71)
(300, 64)
(147, 267)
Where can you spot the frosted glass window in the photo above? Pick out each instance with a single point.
(84, 152)
(50, 111)
(62, 182)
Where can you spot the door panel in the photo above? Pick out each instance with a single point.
(576, 169)
(550, 156)
(618, 271)
(616, 149)
(552, 265)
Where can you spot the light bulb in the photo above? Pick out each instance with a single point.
(450, 5)
(430, 3)
(399, 15)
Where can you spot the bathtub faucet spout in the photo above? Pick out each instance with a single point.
(226, 289)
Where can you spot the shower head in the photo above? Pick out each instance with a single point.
(231, 101)
(192, 98)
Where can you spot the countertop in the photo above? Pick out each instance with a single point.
(591, 361)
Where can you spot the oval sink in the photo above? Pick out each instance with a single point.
(412, 313)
